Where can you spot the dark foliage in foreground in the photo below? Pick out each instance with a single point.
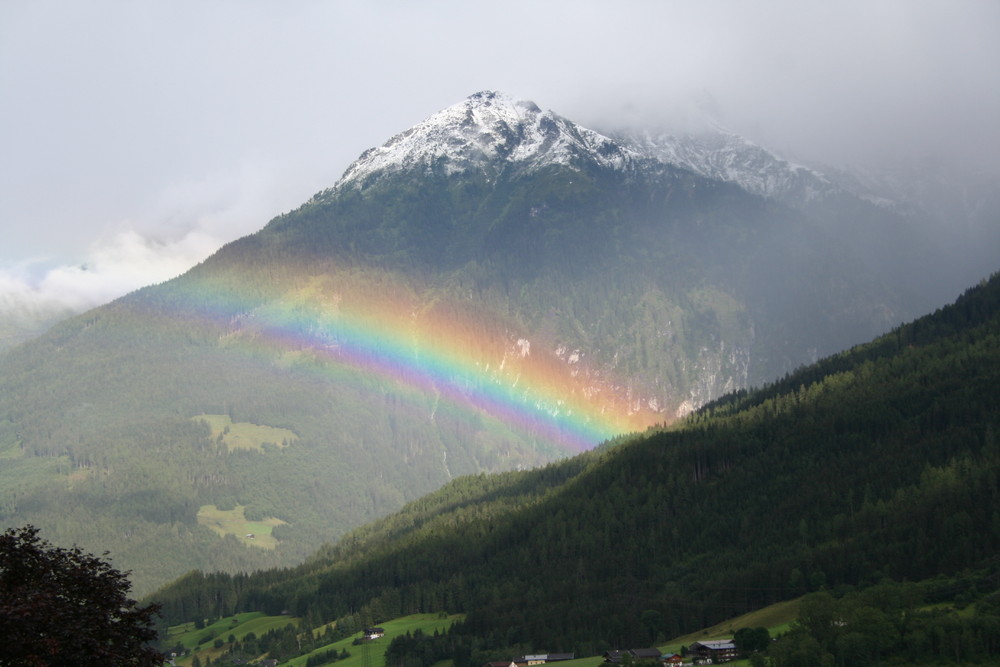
(66, 607)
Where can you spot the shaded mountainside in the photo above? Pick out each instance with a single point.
(881, 462)
(493, 289)
(677, 282)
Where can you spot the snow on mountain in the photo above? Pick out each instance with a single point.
(489, 132)
(728, 157)
(494, 134)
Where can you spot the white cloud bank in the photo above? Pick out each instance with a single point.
(30, 296)
(183, 224)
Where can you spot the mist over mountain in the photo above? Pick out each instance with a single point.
(24, 321)
(494, 288)
(952, 208)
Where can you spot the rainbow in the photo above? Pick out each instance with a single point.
(448, 352)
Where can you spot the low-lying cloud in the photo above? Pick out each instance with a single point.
(31, 293)
(181, 225)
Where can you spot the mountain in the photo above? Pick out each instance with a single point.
(872, 467)
(495, 288)
(507, 189)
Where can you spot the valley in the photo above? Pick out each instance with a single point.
(857, 481)
(516, 372)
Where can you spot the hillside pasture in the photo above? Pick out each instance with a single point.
(200, 643)
(245, 435)
(234, 522)
(239, 626)
(777, 618)
(426, 623)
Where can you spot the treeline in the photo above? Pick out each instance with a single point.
(885, 468)
(419, 650)
(940, 621)
(279, 643)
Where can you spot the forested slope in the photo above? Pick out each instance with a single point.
(518, 291)
(881, 462)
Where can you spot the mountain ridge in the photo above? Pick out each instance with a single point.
(422, 323)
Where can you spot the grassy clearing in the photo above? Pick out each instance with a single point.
(426, 623)
(963, 611)
(776, 618)
(238, 626)
(244, 435)
(234, 522)
(256, 622)
(188, 636)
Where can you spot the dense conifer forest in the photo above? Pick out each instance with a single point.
(842, 481)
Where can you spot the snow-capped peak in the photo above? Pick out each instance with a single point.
(492, 134)
(489, 132)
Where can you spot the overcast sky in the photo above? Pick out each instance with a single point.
(138, 136)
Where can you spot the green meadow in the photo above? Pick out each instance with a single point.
(188, 636)
(234, 522)
(239, 626)
(777, 618)
(426, 623)
(244, 435)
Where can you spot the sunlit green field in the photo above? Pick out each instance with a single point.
(242, 624)
(234, 522)
(244, 435)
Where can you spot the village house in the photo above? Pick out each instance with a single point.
(374, 633)
(615, 656)
(721, 650)
(533, 659)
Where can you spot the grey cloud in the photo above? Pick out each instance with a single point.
(176, 118)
